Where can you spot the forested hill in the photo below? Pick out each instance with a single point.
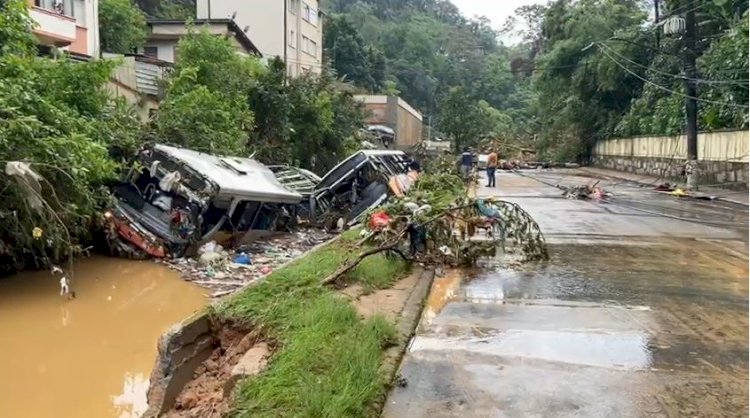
(586, 70)
(420, 49)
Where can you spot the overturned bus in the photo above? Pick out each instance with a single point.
(359, 183)
(174, 199)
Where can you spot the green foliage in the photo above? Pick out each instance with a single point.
(57, 116)
(122, 26)
(223, 102)
(429, 48)
(462, 119)
(726, 59)
(350, 57)
(172, 9)
(206, 105)
(202, 120)
(294, 116)
(15, 36)
(587, 95)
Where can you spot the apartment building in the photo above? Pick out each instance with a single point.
(72, 25)
(289, 29)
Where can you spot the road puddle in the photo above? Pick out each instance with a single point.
(91, 356)
(443, 290)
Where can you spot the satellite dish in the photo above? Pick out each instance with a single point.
(246, 28)
(234, 15)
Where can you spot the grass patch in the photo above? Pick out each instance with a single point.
(328, 360)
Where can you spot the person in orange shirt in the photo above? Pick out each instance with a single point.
(491, 168)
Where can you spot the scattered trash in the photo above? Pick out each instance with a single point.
(242, 258)
(29, 180)
(678, 192)
(226, 271)
(379, 220)
(584, 192)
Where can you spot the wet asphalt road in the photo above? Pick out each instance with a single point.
(642, 311)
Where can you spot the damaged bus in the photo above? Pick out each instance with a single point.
(174, 199)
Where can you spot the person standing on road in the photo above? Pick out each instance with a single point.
(491, 168)
(466, 162)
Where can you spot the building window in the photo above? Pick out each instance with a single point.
(309, 46)
(310, 14)
(63, 7)
(292, 39)
(313, 49)
(293, 6)
(151, 51)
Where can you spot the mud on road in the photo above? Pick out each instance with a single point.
(635, 315)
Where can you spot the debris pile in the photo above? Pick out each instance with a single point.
(226, 271)
(439, 225)
(581, 192)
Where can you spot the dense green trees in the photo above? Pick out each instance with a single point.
(577, 77)
(226, 103)
(56, 116)
(625, 84)
(428, 48)
(206, 106)
(122, 26)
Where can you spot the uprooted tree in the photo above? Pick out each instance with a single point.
(436, 223)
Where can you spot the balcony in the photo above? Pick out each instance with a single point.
(55, 22)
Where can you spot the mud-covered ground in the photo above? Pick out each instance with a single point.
(642, 311)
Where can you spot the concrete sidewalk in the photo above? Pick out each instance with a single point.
(733, 196)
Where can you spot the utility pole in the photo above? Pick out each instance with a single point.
(656, 22)
(429, 126)
(691, 104)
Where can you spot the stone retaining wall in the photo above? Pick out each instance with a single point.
(722, 157)
(733, 175)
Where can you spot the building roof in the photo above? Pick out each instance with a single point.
(239, 34)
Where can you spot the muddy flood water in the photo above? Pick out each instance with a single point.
(91, 356)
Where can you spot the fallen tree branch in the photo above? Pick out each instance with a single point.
(352, 264)
(391, 246)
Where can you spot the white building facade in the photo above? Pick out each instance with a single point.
(289, 29)
(72, 25)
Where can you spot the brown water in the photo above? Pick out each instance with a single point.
(91, 356)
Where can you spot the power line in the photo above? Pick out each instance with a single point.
(684, 9)
(659, 86)
(679, 76)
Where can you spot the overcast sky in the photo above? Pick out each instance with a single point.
(496, 10)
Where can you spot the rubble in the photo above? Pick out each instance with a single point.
(226, 271)
(584, 192)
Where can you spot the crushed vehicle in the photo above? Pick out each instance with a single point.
(384, 134)
(300, 181)
(359, 183)
(174, 199)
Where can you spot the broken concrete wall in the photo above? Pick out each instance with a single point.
(180, 351)
(722, 157)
